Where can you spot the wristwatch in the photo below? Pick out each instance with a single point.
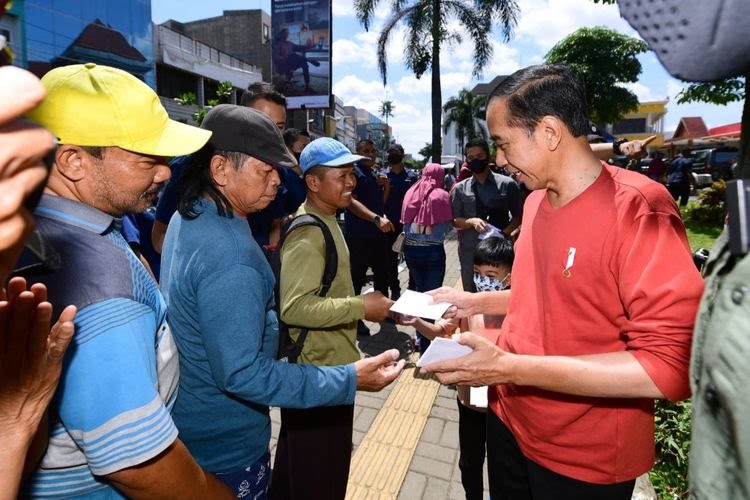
(616, 146)
(376, 220)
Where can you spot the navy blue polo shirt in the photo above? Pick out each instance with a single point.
(369, 193)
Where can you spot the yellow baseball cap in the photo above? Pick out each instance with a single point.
(93, 105)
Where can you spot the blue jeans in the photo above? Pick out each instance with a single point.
(426, 272)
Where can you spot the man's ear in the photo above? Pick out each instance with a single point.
(312, 182)
(219, 166)
(72, 162)
(551, 128)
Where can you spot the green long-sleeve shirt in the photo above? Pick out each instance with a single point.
(331, 320)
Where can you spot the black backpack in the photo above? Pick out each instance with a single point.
(289, 350)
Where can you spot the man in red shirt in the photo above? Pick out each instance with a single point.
(600, 319)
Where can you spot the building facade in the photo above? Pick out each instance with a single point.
(45, 34)
(244, 34)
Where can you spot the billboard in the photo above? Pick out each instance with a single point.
(301, 52)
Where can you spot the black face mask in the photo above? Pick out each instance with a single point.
(478, 166)
(394, 158)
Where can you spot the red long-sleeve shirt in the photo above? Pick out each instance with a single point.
(630, 286)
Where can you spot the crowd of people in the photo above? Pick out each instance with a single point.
(166, 386)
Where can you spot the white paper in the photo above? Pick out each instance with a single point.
(443, 349)
(419, 305)
(478, 396)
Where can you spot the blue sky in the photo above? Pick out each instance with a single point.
(542, 23)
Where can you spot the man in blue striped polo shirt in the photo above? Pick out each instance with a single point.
(111, 433)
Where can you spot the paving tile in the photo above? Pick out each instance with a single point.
(413, 486)
(433, 430)
(364, 419)
(436, 452)
(431, 467)
(436, 488)
(450, 434)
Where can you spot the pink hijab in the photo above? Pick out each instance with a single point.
(426, 203)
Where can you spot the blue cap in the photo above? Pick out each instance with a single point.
(326, 152)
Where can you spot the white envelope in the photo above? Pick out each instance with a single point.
(419, 305)
(443, 349)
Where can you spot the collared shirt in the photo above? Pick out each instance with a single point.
(500, 196)
(370, 194)
(120, 376)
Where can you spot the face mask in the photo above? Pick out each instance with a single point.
(487, 284)
(478, 166)
(394, 158)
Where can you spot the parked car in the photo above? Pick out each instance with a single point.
(717, 162)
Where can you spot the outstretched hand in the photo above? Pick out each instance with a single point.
(463, 303)
(374, 373)
(31, 354)
(487, 364)
(636, 149)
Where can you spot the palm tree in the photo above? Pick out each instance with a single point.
(427, 23)
(386, 111)
(465, 111)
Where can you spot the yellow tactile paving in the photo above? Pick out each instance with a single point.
(382, 459)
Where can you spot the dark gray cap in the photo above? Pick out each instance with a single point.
(246, 130)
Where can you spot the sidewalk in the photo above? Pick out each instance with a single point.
(406, 436)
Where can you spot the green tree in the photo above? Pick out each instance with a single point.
(723, 92)
(426, 151)
(386, 111)
(190, 99)
(603, 59)
(465, 111)
(427, 28)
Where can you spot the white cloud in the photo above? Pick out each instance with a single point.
(546, 22)
(644, 93)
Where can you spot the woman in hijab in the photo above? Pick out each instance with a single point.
(427, 217)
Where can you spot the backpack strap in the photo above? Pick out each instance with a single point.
(289, 349)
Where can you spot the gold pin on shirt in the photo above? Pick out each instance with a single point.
(569, 262)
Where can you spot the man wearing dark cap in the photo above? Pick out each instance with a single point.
(111, 433)
(315, 445)
(219, 288)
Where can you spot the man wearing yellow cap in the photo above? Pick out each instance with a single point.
(111, 432)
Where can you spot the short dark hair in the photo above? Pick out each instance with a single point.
(196, 181)
(397, 147)
(364, 141)
(544, 90)
(494, 251)
(477, 143)
(291, 135)
(262, 90)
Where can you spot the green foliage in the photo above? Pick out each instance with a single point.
(672, 436)
(720, 92)
(710, 208)
(426, 151)
(603, 59)
(704, 219)
(223, 92)
(465, 111)
(429, 25)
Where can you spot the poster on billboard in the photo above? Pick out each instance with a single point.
(301, 51)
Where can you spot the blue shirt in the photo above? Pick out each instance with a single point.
(400, 184)
(370, 194)
(679, 170)
(219, 287)
(119, 378)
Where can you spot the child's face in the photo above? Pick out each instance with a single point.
(489, 278)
